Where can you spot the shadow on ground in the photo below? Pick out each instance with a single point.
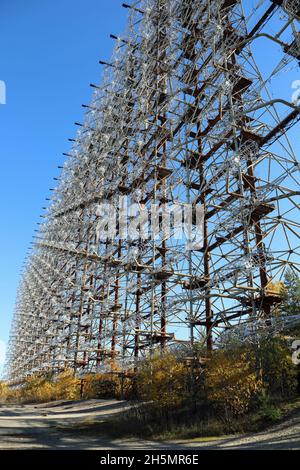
(64, 425)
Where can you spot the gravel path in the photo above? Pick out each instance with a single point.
(46, 427)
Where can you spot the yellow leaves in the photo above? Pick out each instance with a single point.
(66, 386)
(90, 389)
(276, 287)
(232, 381)
(4, 390)
(45, 388)
(101, 386)
(163, 380)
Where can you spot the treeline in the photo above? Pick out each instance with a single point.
(180, 389)
(232, 381)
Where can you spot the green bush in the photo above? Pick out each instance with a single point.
(278, 372)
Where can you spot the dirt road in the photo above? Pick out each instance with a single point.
(46, 427)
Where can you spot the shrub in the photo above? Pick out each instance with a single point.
(4, 391)
(111, 385)
(291, 293)
(231, 381)
(47, 388)
(100, 386)
(268, 410)
(36, 389)
(89, 386)
(66, 386)
(163, 380)
(279, 374)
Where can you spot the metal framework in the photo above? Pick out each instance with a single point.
(183, 115)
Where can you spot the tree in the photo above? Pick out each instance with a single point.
(4, 391)
(279, 374)
(163, 380)
(291, 294)
(232, 381)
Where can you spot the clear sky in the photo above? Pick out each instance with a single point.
(49, 55)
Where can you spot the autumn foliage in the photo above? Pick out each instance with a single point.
(232, 381)
(227, 384)
(163, 380)
(39, 389)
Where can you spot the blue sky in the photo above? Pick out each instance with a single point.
(49, 55)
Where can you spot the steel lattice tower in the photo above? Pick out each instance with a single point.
(183, 115)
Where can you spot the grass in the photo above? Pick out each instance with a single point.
(147, 423)
(252, 422)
